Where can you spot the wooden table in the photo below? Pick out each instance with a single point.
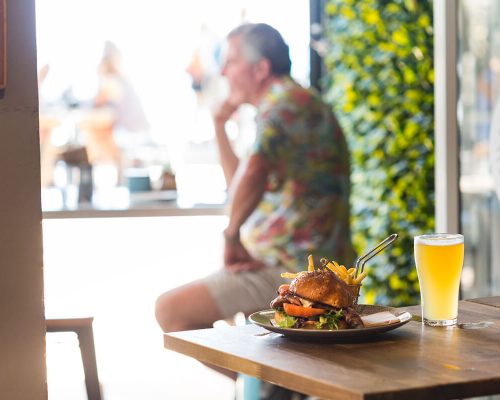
(489, 301)
(412, 362)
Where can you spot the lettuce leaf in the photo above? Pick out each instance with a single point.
(329, 320)
(286, 321)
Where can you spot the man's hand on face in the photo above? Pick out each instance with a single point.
(224, 112)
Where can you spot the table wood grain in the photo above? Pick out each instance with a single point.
(3, 44)
(412, 362)
(489, 301)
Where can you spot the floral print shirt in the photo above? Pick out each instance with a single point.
(305, 209)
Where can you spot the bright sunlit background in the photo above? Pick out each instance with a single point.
(115, 268)
(157, 40)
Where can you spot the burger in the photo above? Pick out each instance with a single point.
(316, 299)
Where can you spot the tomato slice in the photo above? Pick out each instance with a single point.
(301, 311)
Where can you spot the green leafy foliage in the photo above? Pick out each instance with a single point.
(284, 320)
(330, 320)
(379, 79)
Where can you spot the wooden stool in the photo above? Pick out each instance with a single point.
(83, 329)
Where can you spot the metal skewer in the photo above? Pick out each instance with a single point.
(361, 261)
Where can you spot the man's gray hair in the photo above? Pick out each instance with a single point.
(263, 41)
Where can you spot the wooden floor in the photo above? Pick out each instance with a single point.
(114, 269)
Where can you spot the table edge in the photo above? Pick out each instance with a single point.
(183, 346)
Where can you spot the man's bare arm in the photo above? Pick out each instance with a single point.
(228, 159)
(248, 193)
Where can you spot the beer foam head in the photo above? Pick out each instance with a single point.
(439, 239)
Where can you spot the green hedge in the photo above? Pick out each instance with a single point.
(379, 79)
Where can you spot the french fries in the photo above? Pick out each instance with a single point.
(360, 277)
(289, 275)
(310, 266)
(347, 275)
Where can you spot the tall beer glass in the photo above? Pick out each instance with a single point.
(439, 258)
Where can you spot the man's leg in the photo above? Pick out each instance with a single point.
(189, 307)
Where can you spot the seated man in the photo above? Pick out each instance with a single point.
(289, 200)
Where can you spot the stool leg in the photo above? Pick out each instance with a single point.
(86, 340)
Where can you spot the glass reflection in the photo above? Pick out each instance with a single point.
(479, 93)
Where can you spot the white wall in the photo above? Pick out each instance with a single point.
(22, 325)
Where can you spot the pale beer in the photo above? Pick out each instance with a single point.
(439, 259)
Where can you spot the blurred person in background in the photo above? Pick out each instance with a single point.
(117, 118)
(289, 199)
(206, 82)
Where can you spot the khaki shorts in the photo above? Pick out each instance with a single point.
(247, 291)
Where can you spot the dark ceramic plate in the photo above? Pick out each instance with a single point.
(263, 319)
